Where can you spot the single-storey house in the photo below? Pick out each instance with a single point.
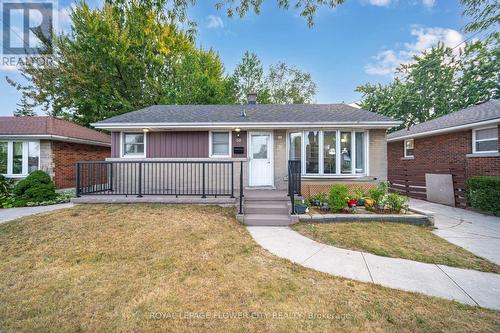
(334, 143)
(50, 144)
(433, 159)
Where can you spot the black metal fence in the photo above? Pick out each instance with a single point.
(294, 181)
(177, 178)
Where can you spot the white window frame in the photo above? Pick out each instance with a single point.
(122, 145)
(404, 147)
(10, 158)
(474, 151)
(230, 138)
(338, 173)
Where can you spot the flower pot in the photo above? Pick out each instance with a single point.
(300, 209)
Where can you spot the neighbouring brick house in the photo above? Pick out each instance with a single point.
(50, 144)
(432, 160)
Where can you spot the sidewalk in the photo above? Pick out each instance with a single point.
(462, 285)
(9, 214)
(478, 233)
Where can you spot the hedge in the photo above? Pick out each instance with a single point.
(483, 193)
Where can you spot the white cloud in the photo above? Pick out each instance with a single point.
(381, 3)
(386, 61)
(214, 22)
(429, 3)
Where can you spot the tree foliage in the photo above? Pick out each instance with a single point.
(283, 84)
(436, 83)
(485, 14)
(118, 58)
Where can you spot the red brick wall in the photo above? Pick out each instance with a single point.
(440, 154)
(66, 154)
(484, 166)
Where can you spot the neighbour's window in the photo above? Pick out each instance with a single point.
(220, 144)
(329, 152)
(409, 144)
(19, 158)
(485, 140)
(3, 157)
(33, 156)
(134, 144)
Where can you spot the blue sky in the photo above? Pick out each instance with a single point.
(358, 42)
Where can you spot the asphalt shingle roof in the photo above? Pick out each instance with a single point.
(259, 113)
(45, 125)
(473, 114)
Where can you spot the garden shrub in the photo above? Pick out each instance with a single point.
(379, 193)
(338, 196)
(37, 187)
(483, 193)
(5, 192)
(396, 202)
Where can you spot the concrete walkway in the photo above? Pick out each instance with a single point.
(478, 233)
(9, 214)
(462, 285)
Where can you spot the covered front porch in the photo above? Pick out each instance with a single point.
(188, 182)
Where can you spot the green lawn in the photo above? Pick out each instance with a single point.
(134, 268)
(395, 240)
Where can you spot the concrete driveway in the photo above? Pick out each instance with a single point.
(478, 233)
(10, 214)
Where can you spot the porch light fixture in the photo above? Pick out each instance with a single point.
(237, 130)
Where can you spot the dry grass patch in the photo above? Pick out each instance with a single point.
(153, 268)
(396, 240)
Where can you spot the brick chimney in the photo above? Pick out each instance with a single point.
(252, 98)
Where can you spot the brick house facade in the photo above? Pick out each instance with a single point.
(446, 150)
(49, 144)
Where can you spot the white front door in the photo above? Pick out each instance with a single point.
(261, 159)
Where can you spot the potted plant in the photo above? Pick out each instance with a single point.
(360, 197)
(301, 207)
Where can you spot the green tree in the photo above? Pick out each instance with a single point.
(289, 85)
(248, 77)
(484, 14)
(436, 83)
(118, 58)
(283, 84)
(479, 78)
(423, 90)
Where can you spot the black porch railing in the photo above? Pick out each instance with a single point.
(176, 178)
(294, 181)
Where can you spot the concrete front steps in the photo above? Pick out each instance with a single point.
(267, 208)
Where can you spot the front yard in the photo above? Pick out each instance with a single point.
(395, 240)
(157, 267)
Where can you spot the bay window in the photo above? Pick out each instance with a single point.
(329, 152)
(19, 158)
(295, 146)
(311, 141)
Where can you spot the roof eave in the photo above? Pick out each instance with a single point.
(445, 130)
(245, 125)
(55, 138)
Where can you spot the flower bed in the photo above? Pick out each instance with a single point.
(340, 200)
